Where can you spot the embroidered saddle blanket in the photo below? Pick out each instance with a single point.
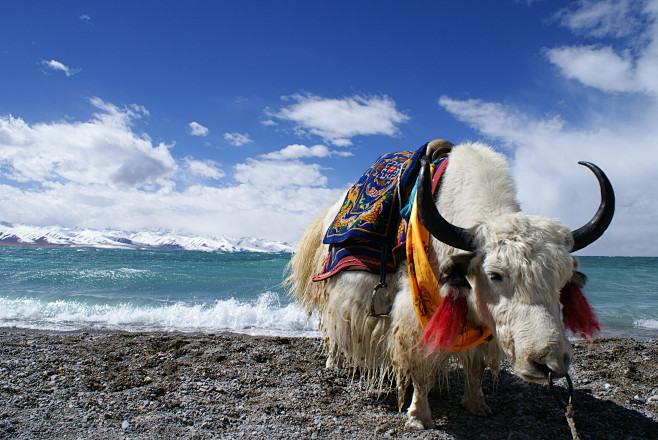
(369, 225)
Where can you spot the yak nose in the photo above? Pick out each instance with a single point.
(557, 365)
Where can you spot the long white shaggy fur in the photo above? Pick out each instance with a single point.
(530, 253)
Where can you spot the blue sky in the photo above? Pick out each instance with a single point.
(248, 118)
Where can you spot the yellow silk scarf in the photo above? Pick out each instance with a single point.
(425, 287)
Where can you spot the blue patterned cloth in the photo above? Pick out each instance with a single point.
(369, 218)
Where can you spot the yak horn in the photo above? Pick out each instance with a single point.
(591, 232)
(432, 220)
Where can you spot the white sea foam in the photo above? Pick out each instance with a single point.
(264, 316)
(647, 323)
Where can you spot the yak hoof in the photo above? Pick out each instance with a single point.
(333, 362)
(415, 424)
(477, 407)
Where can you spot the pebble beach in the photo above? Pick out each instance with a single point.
(229, 386)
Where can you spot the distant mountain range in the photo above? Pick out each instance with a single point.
(56, 236)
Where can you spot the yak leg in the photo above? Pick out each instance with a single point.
(419, 415)
(473, 400)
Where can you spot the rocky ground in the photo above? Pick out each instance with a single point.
(181, 386)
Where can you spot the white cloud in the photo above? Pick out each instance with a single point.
(197, 129)
(85, 17)
(56, 65)
(601, 18)
(507, 123)
(103, 150)
(600, 68)
(633, 67)
(237, 139)
(208, 169)
(298, 151)
(544, 156)
(339, 120)
(279, 174)
(619, 137)
(278, 213)
(102, 174)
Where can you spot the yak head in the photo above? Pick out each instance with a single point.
(518, 267)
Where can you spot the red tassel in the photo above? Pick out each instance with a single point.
(447, 323)
(577, 314)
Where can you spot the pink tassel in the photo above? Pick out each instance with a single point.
(447, 323)
(577, 314)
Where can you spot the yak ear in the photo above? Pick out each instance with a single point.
(579, 279)
(457, 264)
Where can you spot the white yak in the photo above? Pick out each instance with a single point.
(515, 265)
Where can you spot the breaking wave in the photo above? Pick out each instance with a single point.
(263, 316)
(647, 323)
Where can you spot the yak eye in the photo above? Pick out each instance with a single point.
(495, 276)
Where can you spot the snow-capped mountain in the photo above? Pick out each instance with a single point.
(23, 235)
